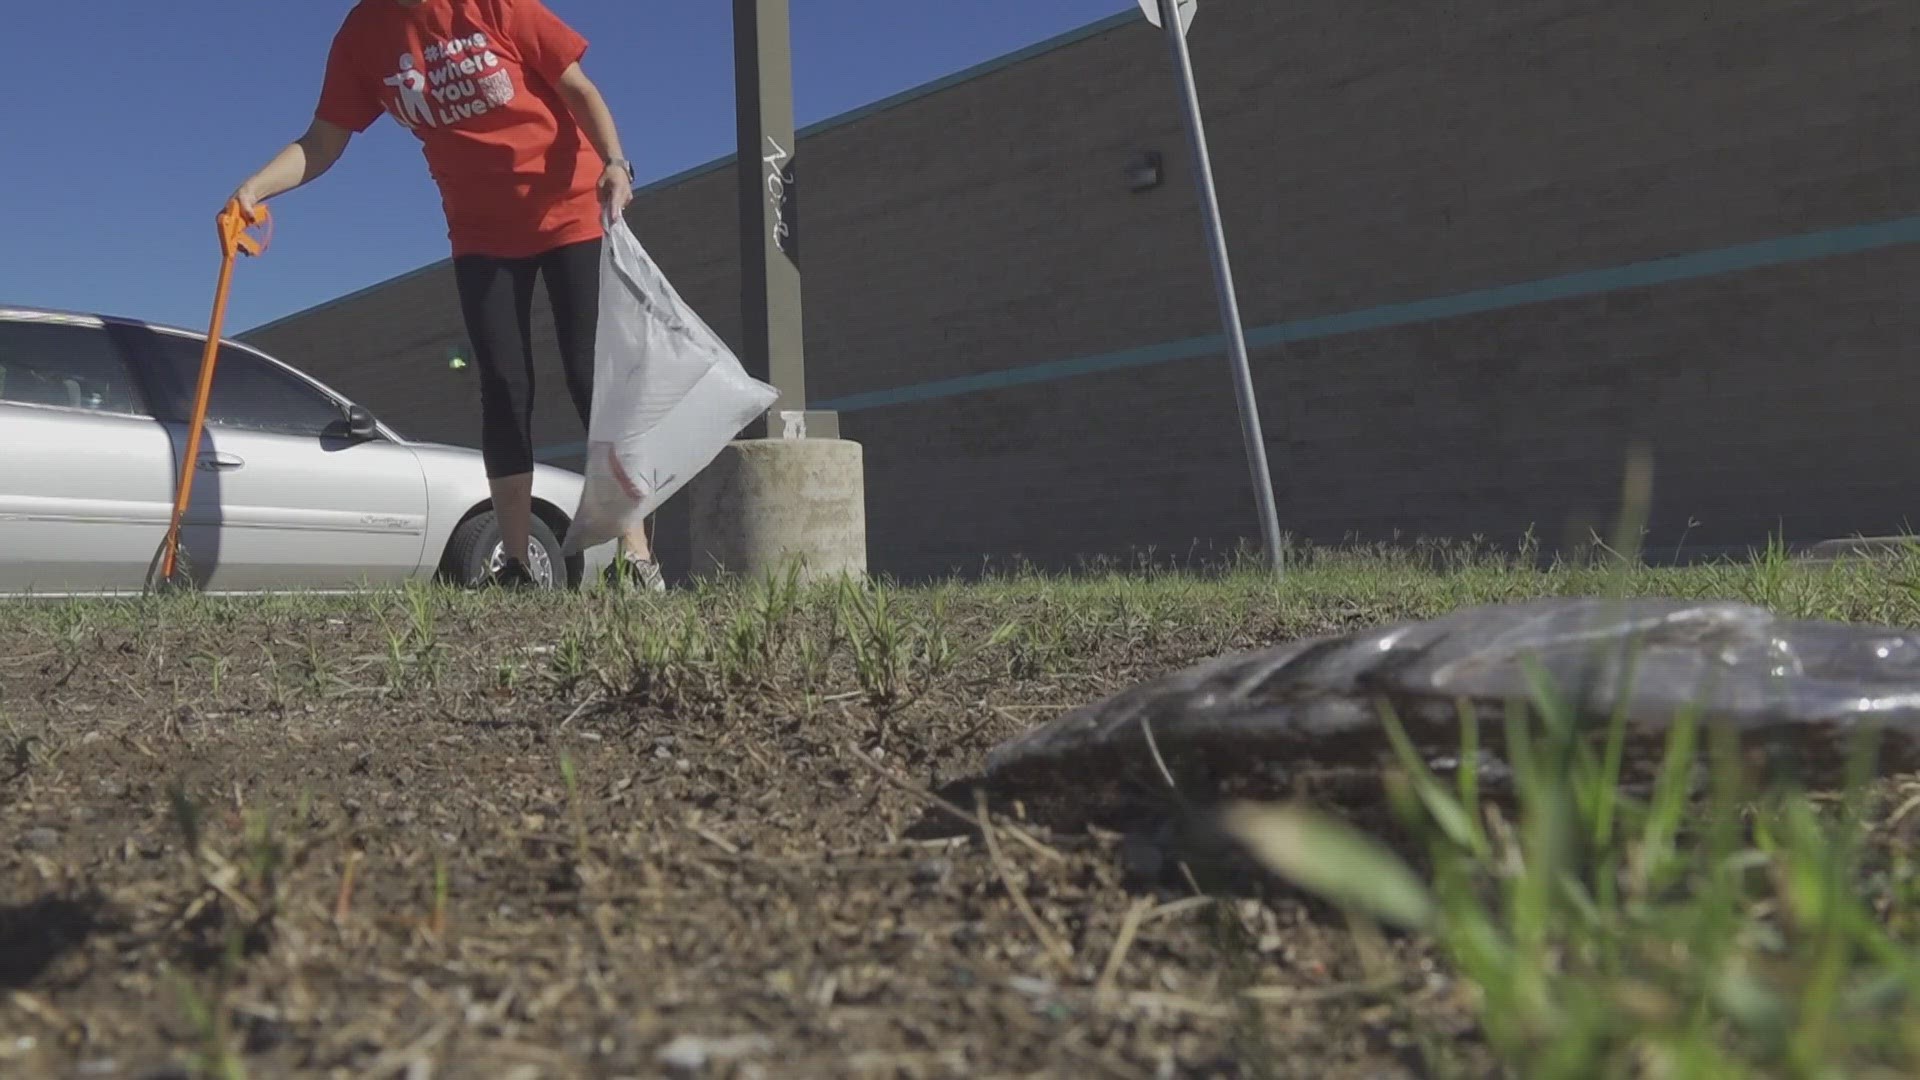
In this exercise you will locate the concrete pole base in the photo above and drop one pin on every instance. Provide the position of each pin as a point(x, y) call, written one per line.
point(766, 504)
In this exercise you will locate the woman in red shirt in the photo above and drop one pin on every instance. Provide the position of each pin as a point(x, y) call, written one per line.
point(529, 166)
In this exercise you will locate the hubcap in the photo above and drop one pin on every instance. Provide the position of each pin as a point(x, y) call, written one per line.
point(538, 562)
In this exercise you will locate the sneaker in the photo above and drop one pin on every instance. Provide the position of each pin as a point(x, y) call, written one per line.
point(513, 574)
point(631, 570)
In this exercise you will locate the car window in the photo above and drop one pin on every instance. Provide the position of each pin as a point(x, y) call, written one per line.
point(248, 392)
point(67, 366)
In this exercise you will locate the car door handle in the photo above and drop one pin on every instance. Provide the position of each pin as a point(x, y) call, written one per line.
point(220, 462)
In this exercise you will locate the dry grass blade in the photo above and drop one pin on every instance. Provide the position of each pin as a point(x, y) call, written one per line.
point(1154, 999)
point(931, 799)
point(979, 725)
point(1310, 995)
point(1054, 946)
point(40, 1010)
point(1175, 908)
point(1900, 815)
point(1129, 927)
point(1158, 761)
point(342, 904)
point(581, 709)
point(407, 1059)
point(713, 838)
point(1102, 1060)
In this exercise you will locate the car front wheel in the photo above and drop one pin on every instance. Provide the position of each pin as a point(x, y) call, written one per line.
point(475, 553)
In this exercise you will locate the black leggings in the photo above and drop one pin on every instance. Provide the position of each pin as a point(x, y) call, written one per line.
point(496, 298)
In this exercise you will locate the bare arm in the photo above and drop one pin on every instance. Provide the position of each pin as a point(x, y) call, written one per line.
point(590, 110)
point(300, 162)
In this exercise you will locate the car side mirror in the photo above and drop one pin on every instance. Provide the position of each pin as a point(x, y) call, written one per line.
point(360, 423)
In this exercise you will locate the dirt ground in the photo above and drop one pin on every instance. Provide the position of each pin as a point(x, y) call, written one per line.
point(447, 836)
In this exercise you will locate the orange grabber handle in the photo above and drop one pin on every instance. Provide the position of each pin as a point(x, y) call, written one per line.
point(233, 222)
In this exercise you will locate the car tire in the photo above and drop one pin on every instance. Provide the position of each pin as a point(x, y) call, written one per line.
point(475, 547)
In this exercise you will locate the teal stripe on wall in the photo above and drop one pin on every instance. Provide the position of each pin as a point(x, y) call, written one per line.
point(1703, 264)
point(1753, 256)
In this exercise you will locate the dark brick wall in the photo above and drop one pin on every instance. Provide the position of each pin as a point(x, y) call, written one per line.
point(1365, 155)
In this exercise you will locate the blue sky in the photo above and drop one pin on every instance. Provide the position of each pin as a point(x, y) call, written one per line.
point(127, 123)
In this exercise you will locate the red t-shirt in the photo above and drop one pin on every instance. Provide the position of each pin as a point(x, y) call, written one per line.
point(476, 81)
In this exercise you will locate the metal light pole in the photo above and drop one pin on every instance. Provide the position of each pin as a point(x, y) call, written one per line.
point(1175, 16)
point(791, 495)
point(769, 219)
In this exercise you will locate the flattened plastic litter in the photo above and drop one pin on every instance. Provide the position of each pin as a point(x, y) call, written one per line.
point(1794, 690)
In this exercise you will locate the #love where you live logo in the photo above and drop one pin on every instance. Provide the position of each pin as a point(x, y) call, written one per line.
point(458, 79)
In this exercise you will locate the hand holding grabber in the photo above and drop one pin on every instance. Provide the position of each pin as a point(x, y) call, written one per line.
point(233, 222)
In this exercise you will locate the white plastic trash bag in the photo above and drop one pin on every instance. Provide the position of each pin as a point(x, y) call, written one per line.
point(668, 395)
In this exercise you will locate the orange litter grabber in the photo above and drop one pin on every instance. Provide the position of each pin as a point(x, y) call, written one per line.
point(233, 222)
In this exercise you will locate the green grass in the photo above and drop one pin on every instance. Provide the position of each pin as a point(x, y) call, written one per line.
point(1712, 928)
point(1417, 581)
point(717, 642)
point(1697, 930)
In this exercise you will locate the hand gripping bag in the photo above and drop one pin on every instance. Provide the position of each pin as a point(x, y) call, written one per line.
point(668, 395)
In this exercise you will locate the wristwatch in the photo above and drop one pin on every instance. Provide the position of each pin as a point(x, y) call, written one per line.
point(625, 164)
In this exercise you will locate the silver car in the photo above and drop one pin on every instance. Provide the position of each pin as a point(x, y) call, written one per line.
point(297, 488)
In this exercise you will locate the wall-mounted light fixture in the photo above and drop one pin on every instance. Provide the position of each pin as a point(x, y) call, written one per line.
point(1144, 173)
